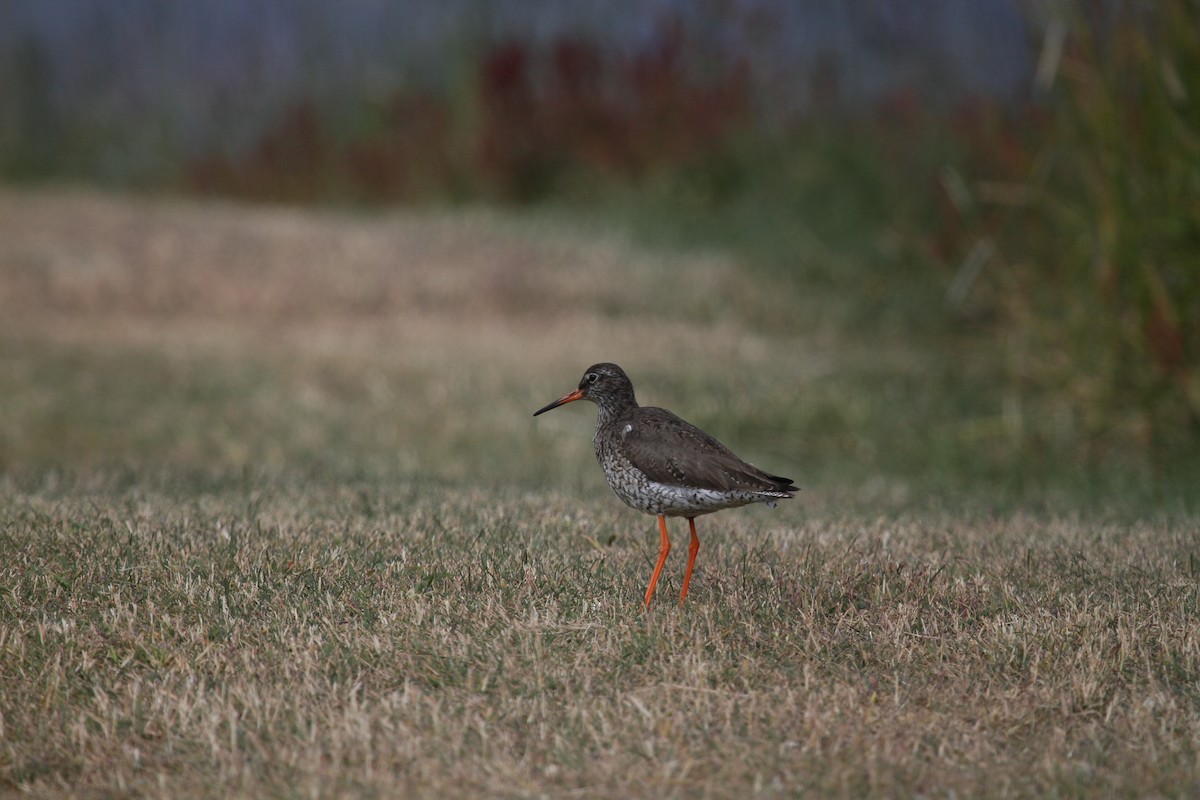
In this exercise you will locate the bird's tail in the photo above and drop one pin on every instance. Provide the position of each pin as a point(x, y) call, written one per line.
point(784, 484)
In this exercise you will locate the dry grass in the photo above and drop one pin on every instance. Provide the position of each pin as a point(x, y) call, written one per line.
point(412, 639)
point(272, 528)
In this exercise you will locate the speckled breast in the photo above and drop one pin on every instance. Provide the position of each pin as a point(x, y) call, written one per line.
point(637, 491)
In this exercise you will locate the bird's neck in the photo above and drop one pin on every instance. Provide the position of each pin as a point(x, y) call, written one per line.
point(614, 410)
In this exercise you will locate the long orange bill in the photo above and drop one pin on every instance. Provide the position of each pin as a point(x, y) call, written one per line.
point(693, 548)
point(566, 398)
point(662, 558)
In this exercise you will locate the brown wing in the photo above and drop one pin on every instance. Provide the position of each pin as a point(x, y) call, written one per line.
point(672, 451)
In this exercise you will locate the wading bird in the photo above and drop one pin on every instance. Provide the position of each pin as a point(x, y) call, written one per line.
point(662, 465)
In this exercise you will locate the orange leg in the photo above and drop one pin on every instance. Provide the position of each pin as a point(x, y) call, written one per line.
point(693, 548)
point(662, 558)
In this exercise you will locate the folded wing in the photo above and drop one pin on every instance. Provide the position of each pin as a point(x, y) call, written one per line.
point(671, 450)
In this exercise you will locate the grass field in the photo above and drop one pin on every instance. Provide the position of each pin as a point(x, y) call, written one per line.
point(276, 521)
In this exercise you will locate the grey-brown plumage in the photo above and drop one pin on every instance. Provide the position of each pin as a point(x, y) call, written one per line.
point(663, 465)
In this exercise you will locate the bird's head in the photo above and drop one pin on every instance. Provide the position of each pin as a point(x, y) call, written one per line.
point(604, 384)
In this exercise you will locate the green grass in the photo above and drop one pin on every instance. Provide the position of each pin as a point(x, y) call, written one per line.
point(276, 521)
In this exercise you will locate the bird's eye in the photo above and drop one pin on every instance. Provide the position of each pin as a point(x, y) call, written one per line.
point(591, 377)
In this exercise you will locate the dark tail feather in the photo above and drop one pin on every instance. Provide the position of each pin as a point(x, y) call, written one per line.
point(784, 484)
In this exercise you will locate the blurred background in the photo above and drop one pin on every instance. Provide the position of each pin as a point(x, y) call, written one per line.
point(977, 224)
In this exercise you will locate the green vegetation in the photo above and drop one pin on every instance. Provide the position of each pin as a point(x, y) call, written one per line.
point(1097, 267)
point(1052, 245)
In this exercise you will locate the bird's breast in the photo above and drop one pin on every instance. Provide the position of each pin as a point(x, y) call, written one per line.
point(653, 497)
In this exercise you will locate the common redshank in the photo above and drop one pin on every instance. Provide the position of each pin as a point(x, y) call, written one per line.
point(662, 465)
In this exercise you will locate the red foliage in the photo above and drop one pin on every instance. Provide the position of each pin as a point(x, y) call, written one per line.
point(596, 112)
point(540, 114)
point(1165, 340)
point(280, 167)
